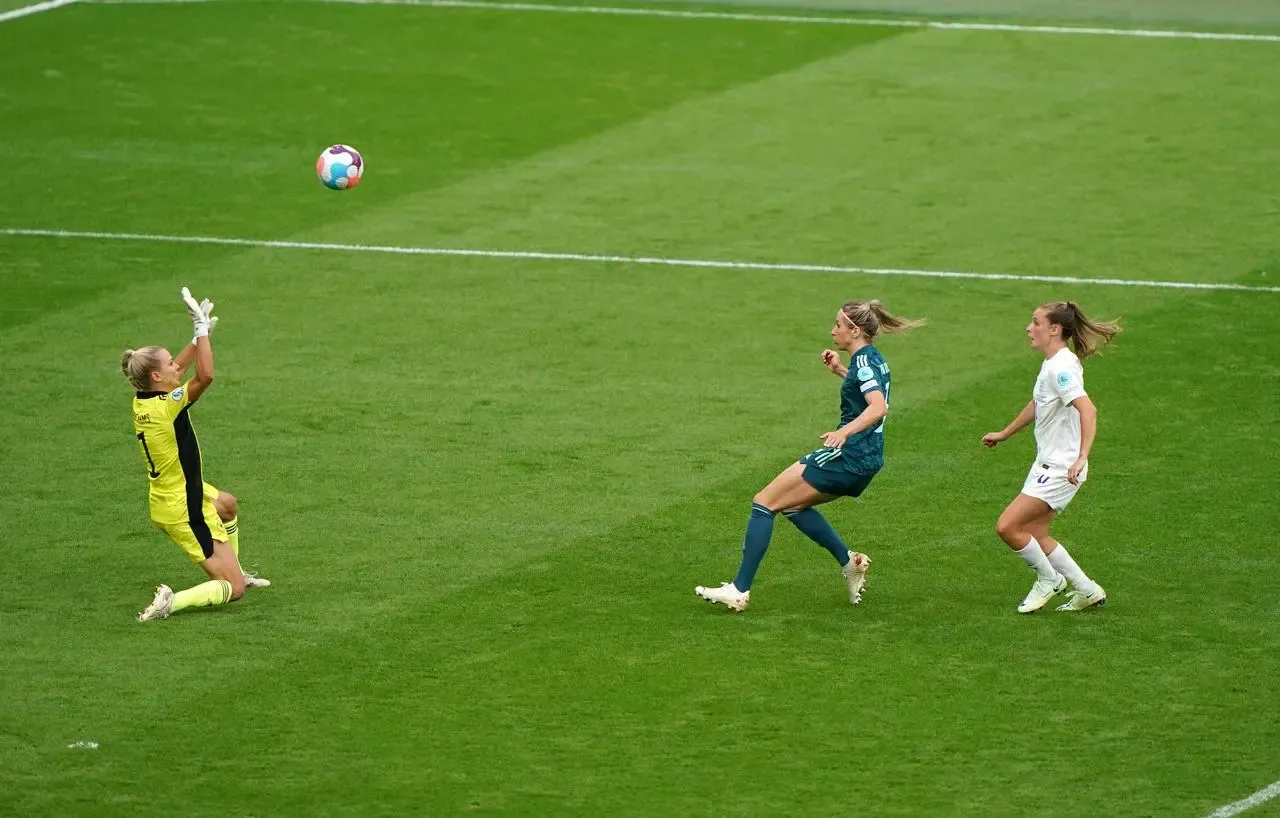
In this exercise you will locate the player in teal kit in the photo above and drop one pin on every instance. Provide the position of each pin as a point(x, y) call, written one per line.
point(845, 465)
point(847, 470)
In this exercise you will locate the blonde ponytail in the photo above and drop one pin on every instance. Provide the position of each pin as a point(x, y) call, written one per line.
point(872, 318)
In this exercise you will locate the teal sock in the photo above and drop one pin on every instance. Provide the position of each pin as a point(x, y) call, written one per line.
point(754, 545)
point(814, 526)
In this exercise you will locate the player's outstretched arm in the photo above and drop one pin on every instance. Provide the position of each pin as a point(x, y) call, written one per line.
point(1023, 420)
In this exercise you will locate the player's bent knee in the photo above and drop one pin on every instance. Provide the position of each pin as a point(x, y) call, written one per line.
point(237, 588)
point(1007, 530)
point(227, 506)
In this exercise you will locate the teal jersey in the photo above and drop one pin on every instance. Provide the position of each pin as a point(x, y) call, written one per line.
point(868, 372)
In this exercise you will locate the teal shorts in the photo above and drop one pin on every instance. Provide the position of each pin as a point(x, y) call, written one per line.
point(825, 471)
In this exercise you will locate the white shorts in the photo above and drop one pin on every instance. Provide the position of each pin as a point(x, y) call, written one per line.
point(1049, 483)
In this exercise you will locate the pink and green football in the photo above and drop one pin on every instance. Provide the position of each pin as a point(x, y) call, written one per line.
point(340, 167)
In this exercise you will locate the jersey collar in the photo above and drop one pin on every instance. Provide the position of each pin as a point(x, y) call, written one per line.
point(142, 395)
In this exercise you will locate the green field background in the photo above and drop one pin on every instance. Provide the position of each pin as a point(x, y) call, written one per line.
point(484, 488)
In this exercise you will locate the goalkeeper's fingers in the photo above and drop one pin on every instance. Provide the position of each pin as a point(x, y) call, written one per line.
point(206, 307)
point(192, 307)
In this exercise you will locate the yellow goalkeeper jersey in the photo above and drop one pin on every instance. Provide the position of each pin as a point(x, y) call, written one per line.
point(171, 454)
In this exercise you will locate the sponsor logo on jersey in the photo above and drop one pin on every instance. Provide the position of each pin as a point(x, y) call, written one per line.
point(866, 373)
point(177, 394)
point(1064, 378)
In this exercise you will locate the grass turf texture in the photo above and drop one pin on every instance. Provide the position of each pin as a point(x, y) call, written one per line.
point(1248, 14)
point(486, 488)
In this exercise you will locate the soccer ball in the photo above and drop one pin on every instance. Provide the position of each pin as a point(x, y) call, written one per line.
point(340, 167)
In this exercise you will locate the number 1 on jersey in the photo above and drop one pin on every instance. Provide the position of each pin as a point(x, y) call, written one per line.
point(151, 464)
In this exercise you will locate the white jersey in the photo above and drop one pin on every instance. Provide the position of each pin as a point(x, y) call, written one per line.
point(1061, 381)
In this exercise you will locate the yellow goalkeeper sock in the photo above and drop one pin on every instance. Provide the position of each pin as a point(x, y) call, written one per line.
point(233, 534)
point(204, 595)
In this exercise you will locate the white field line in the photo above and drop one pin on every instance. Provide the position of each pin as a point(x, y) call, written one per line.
point(35, 8)
point(1262, 796)
point(593, 258)
point(949, 25)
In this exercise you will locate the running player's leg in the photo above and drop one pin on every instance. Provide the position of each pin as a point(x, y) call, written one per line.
point(787, 490)
point(811, 523)
point(1015, 528)
point(831, 481)
point(828, 475)
point(1086, 593)
point(1019, 517)
point(790, 490)
point(853, 564)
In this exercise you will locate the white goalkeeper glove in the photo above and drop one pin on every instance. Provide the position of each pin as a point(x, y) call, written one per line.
point(199, 321)
point(206, 307)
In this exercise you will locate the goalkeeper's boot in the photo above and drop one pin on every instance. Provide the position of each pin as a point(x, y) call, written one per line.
point(1082, 602)
point(727, 595)
point(160, 607)
point(252, 580)
point(855, 575)
point(1041, 592)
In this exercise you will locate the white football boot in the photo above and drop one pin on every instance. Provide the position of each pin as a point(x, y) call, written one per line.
point(1041, 592)
point(855, 575)
point(252, 580)
point(160, 607)
point(1083, 602)
point(727, 594)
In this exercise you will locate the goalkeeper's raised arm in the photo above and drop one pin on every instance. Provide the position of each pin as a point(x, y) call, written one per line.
point(203, 322)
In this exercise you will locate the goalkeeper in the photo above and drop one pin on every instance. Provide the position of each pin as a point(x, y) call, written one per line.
point(195, 515)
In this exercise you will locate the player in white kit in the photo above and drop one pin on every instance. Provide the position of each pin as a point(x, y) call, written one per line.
point(1066, 421)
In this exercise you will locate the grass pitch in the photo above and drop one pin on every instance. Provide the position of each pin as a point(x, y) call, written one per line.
point(486, 487)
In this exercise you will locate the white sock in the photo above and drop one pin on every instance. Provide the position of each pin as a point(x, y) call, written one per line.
point(1066, 566)
point(1033, 556)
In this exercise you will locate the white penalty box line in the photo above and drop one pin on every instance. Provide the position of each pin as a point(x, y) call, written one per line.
point(34, 8)
point(829, 20)
point(1260, 797)
point(799, 19)
point(906, 22)
point(594, 258)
